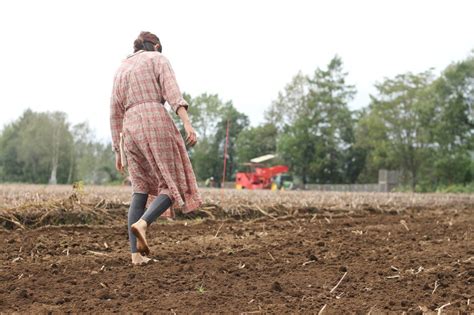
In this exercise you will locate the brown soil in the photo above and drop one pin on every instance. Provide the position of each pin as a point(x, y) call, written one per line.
point(288, 264)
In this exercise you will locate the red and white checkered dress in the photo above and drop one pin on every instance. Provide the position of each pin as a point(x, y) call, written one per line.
point(158, 162)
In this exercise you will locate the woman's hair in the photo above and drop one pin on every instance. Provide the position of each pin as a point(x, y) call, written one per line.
point(146, 41)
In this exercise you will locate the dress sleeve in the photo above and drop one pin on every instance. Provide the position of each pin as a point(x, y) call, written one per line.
point(116, 119)
point(169, 86)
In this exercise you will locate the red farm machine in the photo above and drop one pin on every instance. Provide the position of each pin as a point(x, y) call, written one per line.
point(258, 176)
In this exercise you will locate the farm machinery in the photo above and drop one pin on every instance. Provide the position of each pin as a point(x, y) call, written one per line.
point(260, 177)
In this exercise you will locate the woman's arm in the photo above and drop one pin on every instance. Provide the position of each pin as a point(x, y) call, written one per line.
point(169, 85)
point(116, 124)
point(191, 137)
point(172, 94)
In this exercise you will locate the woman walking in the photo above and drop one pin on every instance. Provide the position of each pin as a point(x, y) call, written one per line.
point(155, 152)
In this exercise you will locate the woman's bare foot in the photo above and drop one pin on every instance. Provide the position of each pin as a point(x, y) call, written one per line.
point(139, 230)
point(138, 259)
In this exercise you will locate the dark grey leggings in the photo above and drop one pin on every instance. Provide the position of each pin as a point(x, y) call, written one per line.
point(137, 212)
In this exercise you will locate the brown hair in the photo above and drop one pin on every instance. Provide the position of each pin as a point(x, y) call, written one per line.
point(146, 41)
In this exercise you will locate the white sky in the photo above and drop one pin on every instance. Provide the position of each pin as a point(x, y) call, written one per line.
point(62, 55)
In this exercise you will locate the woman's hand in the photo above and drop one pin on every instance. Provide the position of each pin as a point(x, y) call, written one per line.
point(191, 137)
point(118, 162)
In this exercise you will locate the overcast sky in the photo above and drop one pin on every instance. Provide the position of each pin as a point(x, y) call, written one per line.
point(62, 55)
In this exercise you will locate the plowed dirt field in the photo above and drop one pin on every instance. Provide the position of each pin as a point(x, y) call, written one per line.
point(416, 260)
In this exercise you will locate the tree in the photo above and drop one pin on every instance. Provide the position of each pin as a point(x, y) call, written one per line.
point(297, 147)
point(316, 135)
point(94, 162)
point(396, 127)
point(333, 123)
point(237, 123)
point(256, 141)
point(204, 112)
point(44, 148)
point(11, 168)
point(36, 148)
point(205, 159)
point(60, 137)
point(208, 115)
point(82, 136)
point(453, 127)
point(290, 104)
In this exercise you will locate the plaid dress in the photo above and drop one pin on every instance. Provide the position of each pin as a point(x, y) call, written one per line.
point(158, 162)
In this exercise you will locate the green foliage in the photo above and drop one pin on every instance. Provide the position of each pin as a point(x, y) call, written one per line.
point(395, 126)
point(453, 130)
point(256, 141)
point(317, 128)
point(237, 123)
point(417, 123)
point(209, 115)
point(94, 161)
point(43, 147)
point(427, 188)
point(36, 148)
point(456, 188)
point(290, 104)
point(422, 126)
point(200, 289)
point(205, 111)
point(206, 159)
point(297, 148)
point(11, 168)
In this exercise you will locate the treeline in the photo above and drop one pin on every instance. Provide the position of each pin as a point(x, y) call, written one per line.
point(45, 148)
point(418, 123)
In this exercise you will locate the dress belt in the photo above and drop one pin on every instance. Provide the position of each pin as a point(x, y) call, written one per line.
point(142, 102)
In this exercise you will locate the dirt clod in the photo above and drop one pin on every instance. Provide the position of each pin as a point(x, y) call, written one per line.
point(59, 301)
point(23, 294)
point(104, 295)
point(312, 257)
point(276, 286)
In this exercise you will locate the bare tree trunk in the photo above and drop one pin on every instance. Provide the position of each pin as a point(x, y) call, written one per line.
point(55, 160)
point(52, 179)
point(71, 164)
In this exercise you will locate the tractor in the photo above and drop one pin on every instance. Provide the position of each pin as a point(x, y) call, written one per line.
point(260, 177)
